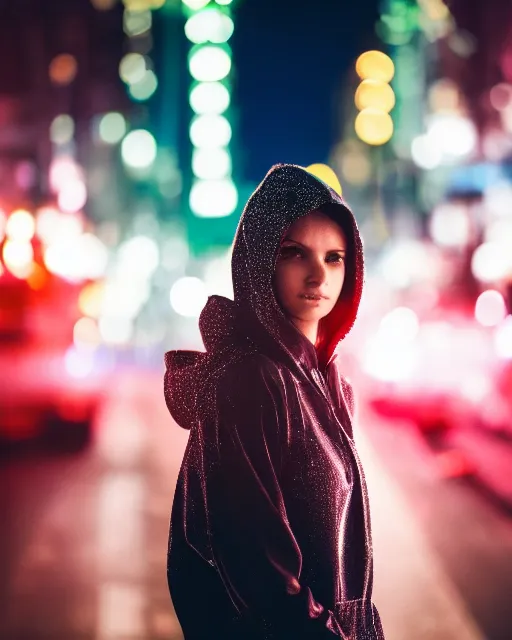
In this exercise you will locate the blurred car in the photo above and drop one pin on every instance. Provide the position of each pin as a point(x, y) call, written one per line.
point(441, 371)
point(51, 386)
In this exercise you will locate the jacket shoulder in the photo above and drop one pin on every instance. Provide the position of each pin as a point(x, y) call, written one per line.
point(241, 377)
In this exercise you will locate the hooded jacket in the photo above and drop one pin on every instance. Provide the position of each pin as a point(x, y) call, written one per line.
point(270, 526)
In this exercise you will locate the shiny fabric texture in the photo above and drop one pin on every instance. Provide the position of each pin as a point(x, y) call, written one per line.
point(270, 534)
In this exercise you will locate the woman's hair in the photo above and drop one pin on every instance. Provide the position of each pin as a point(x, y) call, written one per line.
point(332, 211)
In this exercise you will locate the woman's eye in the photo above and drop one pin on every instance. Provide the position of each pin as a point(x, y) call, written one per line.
point(287, 252)
point(291, 252)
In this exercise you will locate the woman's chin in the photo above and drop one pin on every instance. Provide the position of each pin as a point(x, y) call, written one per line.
point(311, 315)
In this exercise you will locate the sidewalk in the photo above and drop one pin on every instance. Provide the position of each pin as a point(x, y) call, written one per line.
point(414, 595)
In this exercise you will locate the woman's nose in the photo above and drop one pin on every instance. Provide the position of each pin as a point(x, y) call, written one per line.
point(317, 273)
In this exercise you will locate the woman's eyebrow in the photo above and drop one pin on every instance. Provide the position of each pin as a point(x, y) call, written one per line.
point(305, 247)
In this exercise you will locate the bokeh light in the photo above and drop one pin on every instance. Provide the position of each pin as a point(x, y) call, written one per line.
point(138, 257)
point(136, 23)
point(115, 330)
point(95, 256)
point(444, 96)
point(373, 93)
point(52, 225)
point(112, 127)
point(195, 4)
point(20, 226)
point(145, 87)
point(18, 257)
point(450, 225)
point(139, 149)
point(84, 257)
point(217, 274)
point(3, 223)
point(86, 333)
point(373, 126)
point(38, 277)
point(388, 361)
point(63, 170)
point(73, 196)
point(500, 96)
point(63, 69)
point(503, 339)
point(506, 119)
point(400, 324)
point(47, 222)
point(490, 308)
point(211, 164)
point(326, 174)
point(90, 300)
point(498, 199)
point(175, 253)
point(122, 301)
point(143, 5)
point(352, 162)
point(132, 68)
point(210, 131)
point(62, 129)
point(209, 97)
point(407, 261)
point(455, 135)
point(491, 262)
point(188, 296)
point(78, 363)
point(209, 63)
point(500, 231)
point(25, 174)
point(213, 198)
point(425, 152)
point(375, 65)
point(209, 25)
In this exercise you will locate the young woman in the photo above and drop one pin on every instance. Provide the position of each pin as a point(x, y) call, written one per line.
point(270, 528)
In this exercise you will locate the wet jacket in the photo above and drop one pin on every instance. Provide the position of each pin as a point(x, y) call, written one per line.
point(270, 527)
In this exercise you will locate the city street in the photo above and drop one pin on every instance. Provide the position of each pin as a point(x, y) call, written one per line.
point(83, 536)
point(241, 176)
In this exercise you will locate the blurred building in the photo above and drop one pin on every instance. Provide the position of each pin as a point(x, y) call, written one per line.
point(446, 174)
point(57, 59)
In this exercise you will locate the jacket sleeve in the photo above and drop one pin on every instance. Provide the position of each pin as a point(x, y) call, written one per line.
point(254, 548)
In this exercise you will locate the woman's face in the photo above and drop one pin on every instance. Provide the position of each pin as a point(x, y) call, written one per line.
point(311, 261)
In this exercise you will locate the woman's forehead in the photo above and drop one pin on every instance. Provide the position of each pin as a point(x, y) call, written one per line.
point(315, 223)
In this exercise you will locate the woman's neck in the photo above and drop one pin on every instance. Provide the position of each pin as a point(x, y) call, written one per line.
point(309, 329)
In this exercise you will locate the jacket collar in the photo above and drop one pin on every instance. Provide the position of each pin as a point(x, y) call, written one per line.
point(222, 323)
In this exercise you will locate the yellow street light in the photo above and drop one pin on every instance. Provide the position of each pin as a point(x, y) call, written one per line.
point(325, 174)
point(374, 126)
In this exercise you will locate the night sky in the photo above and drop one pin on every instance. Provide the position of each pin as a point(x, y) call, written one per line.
point(292, 58)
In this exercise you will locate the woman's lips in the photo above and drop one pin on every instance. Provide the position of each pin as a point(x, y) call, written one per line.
point(312, 300)
point(313, 296)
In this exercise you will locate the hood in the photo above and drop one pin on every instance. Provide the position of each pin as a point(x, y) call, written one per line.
point(287, 193)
